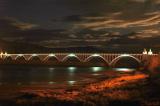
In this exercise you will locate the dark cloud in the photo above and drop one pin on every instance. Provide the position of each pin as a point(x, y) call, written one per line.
point(105, 23)
point(13, 29)
point(73, 18)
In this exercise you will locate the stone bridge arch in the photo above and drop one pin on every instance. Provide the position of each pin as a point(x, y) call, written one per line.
point(51, 58)
point(20, 59)
point(97, 59)
point(20, 56)
point(34, 59)
point(131, 61)
point(8, 59)
point(71, 57)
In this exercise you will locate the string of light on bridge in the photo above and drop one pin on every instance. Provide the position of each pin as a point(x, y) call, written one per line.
point(5, 54)
point(109, 58)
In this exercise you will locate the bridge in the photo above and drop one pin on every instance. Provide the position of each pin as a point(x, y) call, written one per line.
point(72, 58)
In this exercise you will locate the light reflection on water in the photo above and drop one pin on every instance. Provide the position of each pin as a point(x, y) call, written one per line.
point(72, 69)
point(96, 69)
point(51, 82)
point(51, 70)
point(71, 82)
point(42, 75)
point(124, 69)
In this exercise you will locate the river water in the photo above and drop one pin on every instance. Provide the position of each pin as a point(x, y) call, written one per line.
point(13, 75)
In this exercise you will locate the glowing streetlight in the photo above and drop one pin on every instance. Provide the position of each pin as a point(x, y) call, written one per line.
point(20, 55)
point(125, 55)
point(51, 55)
point(145, 51)
point(34, 55)
point(6, 54)
point(96, 55)
point(71, 55)
point(150, 52)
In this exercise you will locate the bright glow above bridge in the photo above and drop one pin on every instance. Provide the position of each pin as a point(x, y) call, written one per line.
point(51, 55)
point(71, 55)
point(96, 55)
point(6, 54)
point(34, 55)
point(20, 55)
point(125, 55)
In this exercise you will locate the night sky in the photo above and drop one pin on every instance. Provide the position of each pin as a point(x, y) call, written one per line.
point(78, 23)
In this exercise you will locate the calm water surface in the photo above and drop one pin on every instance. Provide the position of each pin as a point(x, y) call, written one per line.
point(13, 75)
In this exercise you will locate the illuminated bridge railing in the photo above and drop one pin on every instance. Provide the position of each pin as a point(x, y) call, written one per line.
point(109, 58)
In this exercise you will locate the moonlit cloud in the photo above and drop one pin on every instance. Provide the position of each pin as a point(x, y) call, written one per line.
point(119, 23)
point(150, 31)
point(25, 26)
